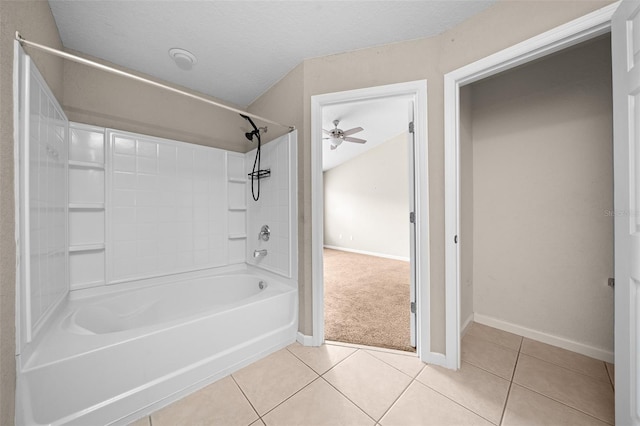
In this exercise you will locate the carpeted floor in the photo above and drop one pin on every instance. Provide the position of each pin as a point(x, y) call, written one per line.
point(366, 300)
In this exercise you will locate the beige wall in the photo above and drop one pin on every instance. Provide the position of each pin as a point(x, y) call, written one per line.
point(366, 201)
point(95, 97)
point(466, 206)
point(34, 21)
point(543, 182)
point(288, 101)
point(498, 27)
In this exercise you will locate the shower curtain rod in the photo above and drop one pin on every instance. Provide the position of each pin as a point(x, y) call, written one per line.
point(106, 68)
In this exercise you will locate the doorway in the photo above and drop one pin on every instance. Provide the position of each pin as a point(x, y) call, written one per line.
point(416, 92)
point(367, 182)
point(570, 34)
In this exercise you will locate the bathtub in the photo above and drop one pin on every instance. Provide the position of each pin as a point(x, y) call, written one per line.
point(114, 357)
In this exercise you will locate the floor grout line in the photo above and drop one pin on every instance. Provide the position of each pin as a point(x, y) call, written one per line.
point(330, 368)
point(513, 374)
point(290, 396)
point(245, 396)
point(562, 403)
point(570, 369)
point(396, 368)
point(340, 362)
point(453, 400)
point(613, 386)
point(349, 399)
point(395, 401)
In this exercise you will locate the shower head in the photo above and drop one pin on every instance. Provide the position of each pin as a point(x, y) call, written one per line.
point(249, 135)
point(256, 130)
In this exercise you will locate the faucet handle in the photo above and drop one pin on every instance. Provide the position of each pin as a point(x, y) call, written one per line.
point(265, 233)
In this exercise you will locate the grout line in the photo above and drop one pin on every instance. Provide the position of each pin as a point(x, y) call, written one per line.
point(371, 348)
point(289, 397)
point(150, 421)
point(562, 403)
point(548, 396)
point(349, 399)
point(312, 369)
point(395, 400)
point(454, 401)
point(340, 362)
point(245, 396)
point(397, 369)
point(470, 333)
point(572, 370)
point(613, 386)
point(513, 374)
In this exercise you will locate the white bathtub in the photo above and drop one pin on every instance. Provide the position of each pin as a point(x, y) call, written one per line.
point(111, 358)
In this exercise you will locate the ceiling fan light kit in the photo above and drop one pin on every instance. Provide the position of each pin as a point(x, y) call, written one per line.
point(336, 136)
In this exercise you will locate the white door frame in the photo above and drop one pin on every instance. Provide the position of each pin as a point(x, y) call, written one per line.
point(569, 34)
point(417, 89)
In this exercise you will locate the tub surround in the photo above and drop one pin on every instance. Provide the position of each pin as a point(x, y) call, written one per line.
point(150, 222)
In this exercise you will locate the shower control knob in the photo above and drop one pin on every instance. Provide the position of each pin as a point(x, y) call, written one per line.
point(265, 233)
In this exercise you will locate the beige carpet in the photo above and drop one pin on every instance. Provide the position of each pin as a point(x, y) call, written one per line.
point(366, 300)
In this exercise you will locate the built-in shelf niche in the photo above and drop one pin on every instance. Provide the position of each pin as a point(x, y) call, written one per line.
point(86, 206)
point(237, 208)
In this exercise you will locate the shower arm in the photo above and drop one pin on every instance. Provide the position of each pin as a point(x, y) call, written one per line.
point(80, 60)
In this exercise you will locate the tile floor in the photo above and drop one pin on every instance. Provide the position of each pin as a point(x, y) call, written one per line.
point(504, 380)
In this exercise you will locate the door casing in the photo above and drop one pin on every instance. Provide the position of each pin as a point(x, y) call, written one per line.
point(418, 90)
point(579, 30)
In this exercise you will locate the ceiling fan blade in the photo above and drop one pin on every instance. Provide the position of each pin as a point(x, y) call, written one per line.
point(326, 132)
point(356, 140)
point(352, 131)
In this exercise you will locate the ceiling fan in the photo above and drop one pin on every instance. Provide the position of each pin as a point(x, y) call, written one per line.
point(337, 136)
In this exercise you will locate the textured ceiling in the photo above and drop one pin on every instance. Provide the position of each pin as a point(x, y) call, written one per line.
point(244, 47)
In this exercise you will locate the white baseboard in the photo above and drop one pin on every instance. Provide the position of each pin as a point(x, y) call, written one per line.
point(304, 340)
point(466, 324)
point(547, 338)
point(436, 359)
point(369, 253)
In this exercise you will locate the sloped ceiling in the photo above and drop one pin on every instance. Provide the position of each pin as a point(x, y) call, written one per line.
point(243, 47)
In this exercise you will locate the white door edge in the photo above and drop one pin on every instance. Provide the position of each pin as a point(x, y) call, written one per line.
point(417, 89)
point(584, 28)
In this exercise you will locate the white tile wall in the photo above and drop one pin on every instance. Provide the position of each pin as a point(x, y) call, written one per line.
point(274, 207)
point(46, 198)
point(237, 208)
point(86, 206)
point(166, 207)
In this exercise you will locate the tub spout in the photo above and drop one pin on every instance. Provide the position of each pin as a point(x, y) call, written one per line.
point(260, 253)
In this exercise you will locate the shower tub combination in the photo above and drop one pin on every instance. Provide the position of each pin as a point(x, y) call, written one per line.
point(113, 356)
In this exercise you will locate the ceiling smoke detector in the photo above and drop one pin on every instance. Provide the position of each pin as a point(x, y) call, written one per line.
point(183, 58)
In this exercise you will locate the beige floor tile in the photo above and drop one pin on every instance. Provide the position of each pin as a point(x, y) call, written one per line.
point(408, 364)
point(317, 404)
point(320, 358)
point(489, 356)
point(220, 403)
point(499, 337)
point(273, 379)
point(594, 397)
point(141, 422)
point(257, 423)
point(526, 407)
point(479, 391)
point(611, 370)
point(369, 382)
point(564, 358)
point(420, 405)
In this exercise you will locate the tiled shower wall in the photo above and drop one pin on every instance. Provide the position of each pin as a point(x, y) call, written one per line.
point(43, 178)
point(149, 207)
point(274, 207)
point(167, 207)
